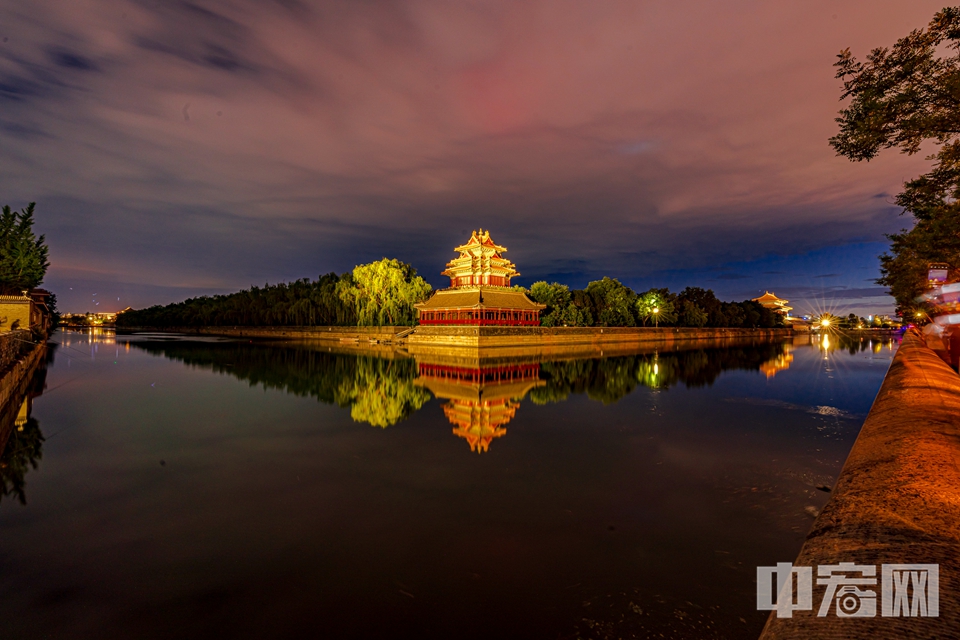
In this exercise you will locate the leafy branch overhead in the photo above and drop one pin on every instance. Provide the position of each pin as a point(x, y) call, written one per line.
point(902, 97)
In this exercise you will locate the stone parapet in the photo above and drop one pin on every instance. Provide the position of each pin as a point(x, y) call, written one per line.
point(14, 382)
point(334, 334)
point(585, 336)
point(897, 501)
point(13, 344)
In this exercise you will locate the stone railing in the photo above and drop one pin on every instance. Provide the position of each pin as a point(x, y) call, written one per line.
point(13, 345)
point(896, 502)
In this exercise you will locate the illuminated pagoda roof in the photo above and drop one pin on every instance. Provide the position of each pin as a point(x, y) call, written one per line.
point(479, 292)
point(481, 262)
point(772, 302)
point(479, 298)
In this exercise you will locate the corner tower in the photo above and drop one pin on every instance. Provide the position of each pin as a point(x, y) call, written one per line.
point(481, 262)
point(479, 292)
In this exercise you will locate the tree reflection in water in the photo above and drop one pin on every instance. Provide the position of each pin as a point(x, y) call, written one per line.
point(388, 387)
point(378, 390)
point(607, 380)
point(381, 392)
point(22, 452)
point(23, 448)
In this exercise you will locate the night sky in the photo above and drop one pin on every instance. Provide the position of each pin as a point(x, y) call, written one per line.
point(185, 148)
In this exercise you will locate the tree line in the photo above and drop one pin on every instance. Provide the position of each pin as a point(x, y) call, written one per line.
point(384, 293)
point(609, 303)
point(375, 294)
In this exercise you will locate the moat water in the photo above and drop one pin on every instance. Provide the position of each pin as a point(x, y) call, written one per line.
point(162, 487)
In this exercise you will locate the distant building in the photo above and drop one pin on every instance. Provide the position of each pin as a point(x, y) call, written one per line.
point(90, 319)
point(43, 315)
point(772, 302)
point(15, 311)
point(479, 292)
point(28, 310)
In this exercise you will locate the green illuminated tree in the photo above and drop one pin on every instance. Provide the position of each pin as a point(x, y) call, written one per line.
point(656, 305)
point(384, 292)
point(23, 256)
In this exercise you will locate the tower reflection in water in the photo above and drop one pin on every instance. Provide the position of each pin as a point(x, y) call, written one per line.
point(481, 392)
point(21, 452)
point(480, 400)
point(21, 441)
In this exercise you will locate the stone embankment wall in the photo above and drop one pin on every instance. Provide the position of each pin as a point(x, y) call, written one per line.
point(488, 336)
point(13, 344)
point(20, 358)
point(594, 336)
point(335, 334)
point(896, 501)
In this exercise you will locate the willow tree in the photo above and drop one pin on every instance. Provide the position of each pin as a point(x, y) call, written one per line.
point(23, 256)
point(384, 292)
point(902, 97)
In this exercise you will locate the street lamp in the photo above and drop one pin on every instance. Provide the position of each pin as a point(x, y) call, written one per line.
point(656, 316)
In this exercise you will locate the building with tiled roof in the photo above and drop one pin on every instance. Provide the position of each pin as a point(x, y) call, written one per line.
point(479, 292)
point(772, 302)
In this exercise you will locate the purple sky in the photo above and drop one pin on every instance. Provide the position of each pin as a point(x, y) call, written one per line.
point(179, 148)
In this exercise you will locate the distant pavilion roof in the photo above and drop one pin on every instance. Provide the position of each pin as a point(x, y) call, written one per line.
point(769, 297)
point(771, 301)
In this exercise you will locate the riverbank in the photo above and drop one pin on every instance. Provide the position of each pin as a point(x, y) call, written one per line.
point(467, 336)
point(897, 501)
point(19, 359)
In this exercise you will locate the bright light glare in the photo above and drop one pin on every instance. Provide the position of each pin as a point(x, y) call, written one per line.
point(824, 323)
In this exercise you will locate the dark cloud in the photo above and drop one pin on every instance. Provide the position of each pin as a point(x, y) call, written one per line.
point(70, 60)
point(672, 143)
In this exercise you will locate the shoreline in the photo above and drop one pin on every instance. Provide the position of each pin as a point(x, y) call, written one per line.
point(896, 501)
point(478, 337)
point(14, 383)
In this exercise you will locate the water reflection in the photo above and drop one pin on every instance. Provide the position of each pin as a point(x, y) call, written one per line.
point(379, 390)
point(22, 452)
point(21, 440)
point(608, 380)
point(480, 400)
point(778, 363)
point(179, 495)
point(482, 394)
point(853, 343)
